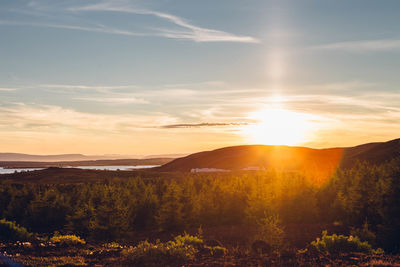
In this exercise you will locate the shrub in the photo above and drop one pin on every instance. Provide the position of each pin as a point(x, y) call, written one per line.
point(159, 254)
point(364, 233)
point(67, 240)
point(271, 231)
point(112, 245)
point(339, 244)
point(187, 239)
point(10, 231)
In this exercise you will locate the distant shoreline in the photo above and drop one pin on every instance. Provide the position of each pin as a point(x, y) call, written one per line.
point(62, 164)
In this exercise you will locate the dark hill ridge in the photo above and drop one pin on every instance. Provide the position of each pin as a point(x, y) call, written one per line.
point(262, 156)
point(285, 157)
point(374, 153)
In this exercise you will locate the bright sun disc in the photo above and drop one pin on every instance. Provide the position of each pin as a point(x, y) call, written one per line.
point(279, 127)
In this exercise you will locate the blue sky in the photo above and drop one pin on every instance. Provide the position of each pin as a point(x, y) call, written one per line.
point(142, 77)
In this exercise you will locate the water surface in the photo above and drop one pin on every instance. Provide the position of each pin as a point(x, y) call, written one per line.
point(8, 171)
point(114, 168)
point(109, 168)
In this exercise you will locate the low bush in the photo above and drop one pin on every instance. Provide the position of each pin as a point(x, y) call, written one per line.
point(187, 239)
point(159, 254)
point(271, 231)
point(340, 244)
point(67, 240)
point(10, 231)
point(364, 233)
point(112, 245)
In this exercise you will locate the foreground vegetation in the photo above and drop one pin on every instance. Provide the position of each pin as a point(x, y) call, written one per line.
point(238, 209)
point(184, 250)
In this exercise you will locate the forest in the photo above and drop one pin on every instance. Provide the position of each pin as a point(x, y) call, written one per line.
point(362, 201)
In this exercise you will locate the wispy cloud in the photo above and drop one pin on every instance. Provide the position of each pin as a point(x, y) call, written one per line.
point(114, 100)
point(99, 28)
point(94, 87)
point(362, 46)
point(7, 89)
point(340, 86)
point(49, 118)
point(215, 84)
point(204, 124)
point(105, 94)
point(82, 87)
point(189, 31)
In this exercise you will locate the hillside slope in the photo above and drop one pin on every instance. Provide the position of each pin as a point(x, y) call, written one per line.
point(286, 157)
point(374, 153)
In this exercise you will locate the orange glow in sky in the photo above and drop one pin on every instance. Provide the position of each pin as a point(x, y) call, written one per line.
point(277, 126)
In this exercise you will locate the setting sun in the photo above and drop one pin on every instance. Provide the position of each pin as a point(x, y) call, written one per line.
point(277, 126)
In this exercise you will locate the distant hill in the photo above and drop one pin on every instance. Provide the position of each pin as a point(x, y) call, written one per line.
point(78, 157)
point(374, 153)
point(259, 156)
point(174, 156)
point(322, 161)
point(28, 157)
point(60, 157)
point(113, 162)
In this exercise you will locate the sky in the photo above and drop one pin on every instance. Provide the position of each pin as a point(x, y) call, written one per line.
point(152, 77)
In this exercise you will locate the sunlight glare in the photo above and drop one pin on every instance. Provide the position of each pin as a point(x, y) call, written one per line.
point(278, 126)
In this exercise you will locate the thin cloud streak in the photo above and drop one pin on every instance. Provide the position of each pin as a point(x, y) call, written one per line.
point(362, 46)
point(80, 87)
point(23, 117)
point(340, 86)
point(114, 100)
point(91, 87)
point(203, 124)
point(101, 28)
point(193, 32)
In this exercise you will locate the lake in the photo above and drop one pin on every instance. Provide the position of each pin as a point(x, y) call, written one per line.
point(7, 171)
point(109, 168)
point(114, 168)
